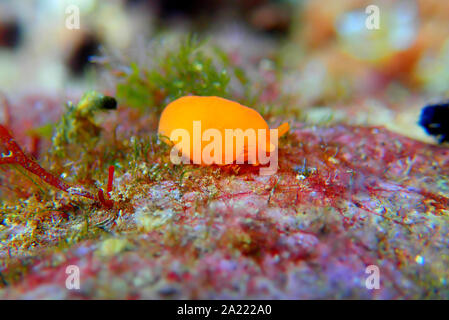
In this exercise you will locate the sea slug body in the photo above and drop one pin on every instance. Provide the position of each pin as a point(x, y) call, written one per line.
point(211, 119)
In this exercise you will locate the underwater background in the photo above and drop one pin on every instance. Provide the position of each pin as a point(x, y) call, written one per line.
point(362, 186)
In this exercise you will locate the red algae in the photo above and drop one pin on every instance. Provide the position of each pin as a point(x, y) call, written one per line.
point(17, 156)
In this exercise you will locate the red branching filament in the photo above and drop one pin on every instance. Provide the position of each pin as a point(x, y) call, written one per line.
point(107, 203)
point(17, 156)
point(110, 179)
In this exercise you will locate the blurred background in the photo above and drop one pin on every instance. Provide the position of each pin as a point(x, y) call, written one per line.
point(319, 57)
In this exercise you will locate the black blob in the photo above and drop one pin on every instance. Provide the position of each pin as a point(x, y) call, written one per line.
point(435, 120)
point(192, 8)
point(10, 34)
point(79, 58)
point(108, 103)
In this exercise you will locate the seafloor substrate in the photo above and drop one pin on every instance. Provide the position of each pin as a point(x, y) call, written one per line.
point(344, 198)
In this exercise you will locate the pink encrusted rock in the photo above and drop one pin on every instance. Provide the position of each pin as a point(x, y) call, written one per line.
point(364, 196)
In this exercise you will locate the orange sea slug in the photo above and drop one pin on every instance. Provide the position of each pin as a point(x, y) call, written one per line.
point(207, 121)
